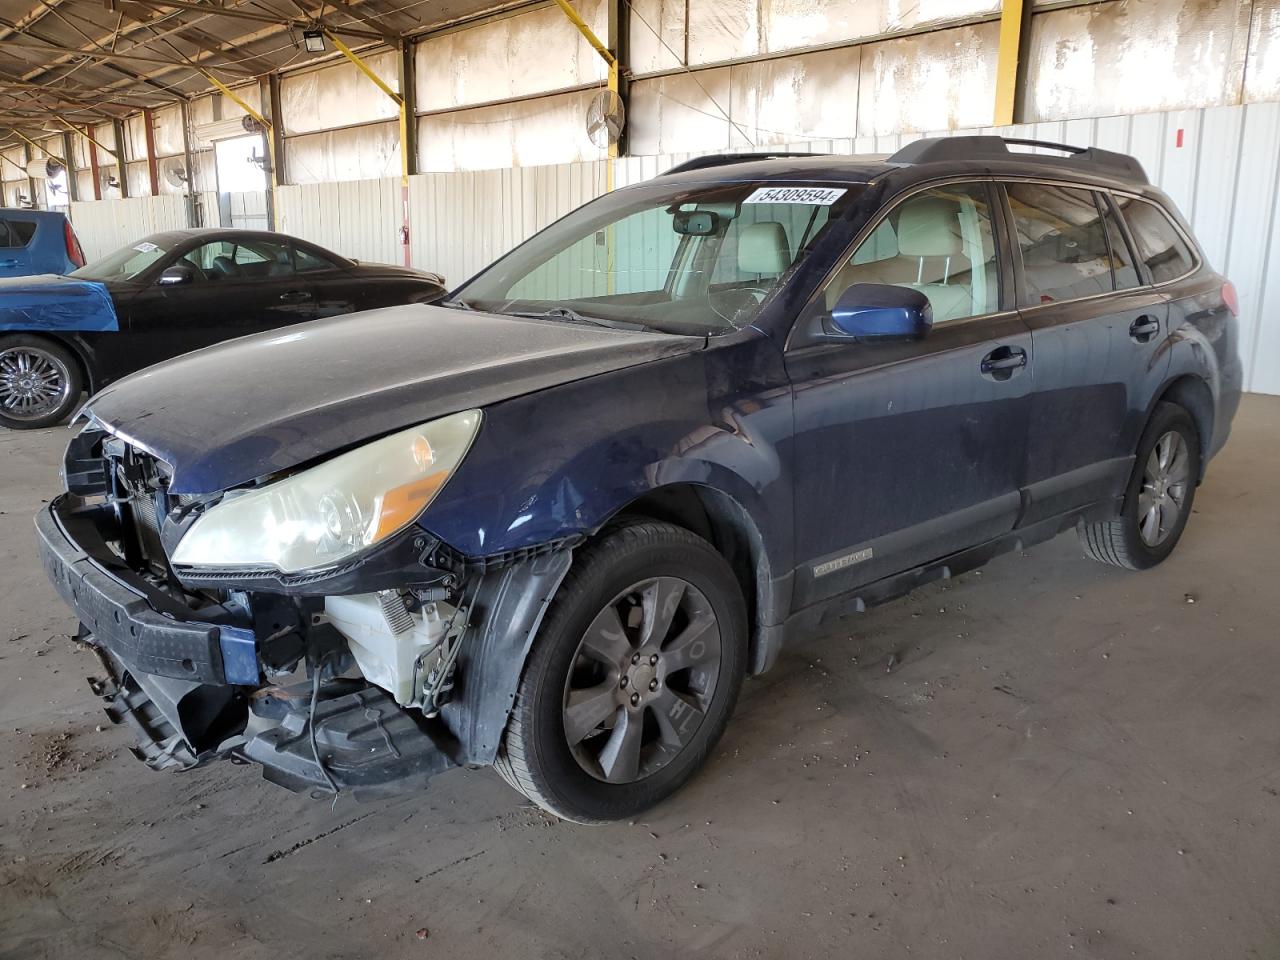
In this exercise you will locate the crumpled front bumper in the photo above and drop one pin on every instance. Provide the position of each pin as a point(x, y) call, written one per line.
point(182, 686)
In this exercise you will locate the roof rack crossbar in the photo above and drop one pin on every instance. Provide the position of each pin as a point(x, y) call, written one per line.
point(952, 149)
point(723, 159)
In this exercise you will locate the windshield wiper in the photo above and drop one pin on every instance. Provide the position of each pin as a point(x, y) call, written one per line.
point(573, 316)
point(457, 304)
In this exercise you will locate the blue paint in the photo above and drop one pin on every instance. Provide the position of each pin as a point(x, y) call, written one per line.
point(53, 303)
point(239, 655)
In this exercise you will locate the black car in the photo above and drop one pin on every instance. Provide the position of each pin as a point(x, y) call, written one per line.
point(167, 294)
point(552, 521)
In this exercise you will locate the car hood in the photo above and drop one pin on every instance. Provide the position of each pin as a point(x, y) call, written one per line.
point(228, 414)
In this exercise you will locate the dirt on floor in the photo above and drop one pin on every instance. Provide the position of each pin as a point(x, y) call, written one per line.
point(1046, 758)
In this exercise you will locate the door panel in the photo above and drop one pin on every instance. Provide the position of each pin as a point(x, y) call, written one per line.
point(15, 250)
point(905, 453)
point(1095, 346)
point(241, 287)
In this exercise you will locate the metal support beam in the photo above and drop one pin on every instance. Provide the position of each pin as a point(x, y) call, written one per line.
point(405, 162)
point(122, 172)
point(1011, 70)
point(195, 64)
point(610, 60)
point(93, 163)
point(408, 86)
point(31, 181)
point(69, 158)
point(278, 159)
point(242, 14)
point(193, 208)
point(153, 168)
point(618, 12)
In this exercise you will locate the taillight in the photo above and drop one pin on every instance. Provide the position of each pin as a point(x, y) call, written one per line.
point(1230, 298)
point(74, 253)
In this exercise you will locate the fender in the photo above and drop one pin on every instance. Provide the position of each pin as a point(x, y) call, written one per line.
point(619, 436)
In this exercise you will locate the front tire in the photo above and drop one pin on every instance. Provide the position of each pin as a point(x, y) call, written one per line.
point(633, 676)
point(1158, 500)
point(40, 382)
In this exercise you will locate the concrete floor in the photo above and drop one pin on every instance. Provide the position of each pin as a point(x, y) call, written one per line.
point(1066, 760)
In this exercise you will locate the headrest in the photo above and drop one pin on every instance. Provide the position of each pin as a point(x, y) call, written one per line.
point(763, 248)
point(929, 227)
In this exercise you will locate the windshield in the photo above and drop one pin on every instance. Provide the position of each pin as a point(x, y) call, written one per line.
point(683, 259)
point(127, 262)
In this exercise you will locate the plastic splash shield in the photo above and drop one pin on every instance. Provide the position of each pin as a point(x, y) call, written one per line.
point(56, 303)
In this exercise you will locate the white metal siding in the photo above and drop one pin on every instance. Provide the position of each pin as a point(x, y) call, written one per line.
point(1224, 178)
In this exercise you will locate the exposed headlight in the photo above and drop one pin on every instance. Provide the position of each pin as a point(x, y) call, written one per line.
point(333, 511)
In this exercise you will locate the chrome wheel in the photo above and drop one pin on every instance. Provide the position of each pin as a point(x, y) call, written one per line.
point(642, 680)
point(1165, 480)
point(33, 383)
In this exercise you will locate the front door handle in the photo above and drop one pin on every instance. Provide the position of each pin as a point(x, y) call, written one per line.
point(1144, 328)
point(1003, 362)
point(8, 263)
point(293, 296)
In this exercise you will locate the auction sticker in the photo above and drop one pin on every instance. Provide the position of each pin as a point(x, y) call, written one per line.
point(817, 196)
point(145, 246)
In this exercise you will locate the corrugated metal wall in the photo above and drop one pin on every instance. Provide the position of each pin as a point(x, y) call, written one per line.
point(1218, 163)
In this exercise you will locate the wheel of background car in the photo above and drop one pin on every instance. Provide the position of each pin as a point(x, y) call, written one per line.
point(40, 382)
point(632, 678)
point(1158, 500)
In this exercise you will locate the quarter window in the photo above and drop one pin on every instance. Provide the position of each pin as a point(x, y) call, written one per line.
point(1063, 242)
point(939, 242)
point(16, 233)
point(1160, 245)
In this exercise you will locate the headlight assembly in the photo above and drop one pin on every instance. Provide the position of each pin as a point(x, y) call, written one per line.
point(333, 511)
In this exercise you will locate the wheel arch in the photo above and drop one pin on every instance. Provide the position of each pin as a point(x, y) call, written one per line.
point(1192, 393)
point(728, 526)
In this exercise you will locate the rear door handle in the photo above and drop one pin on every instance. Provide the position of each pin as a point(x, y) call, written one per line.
point(293, 296)
point(8, 263)
point(1144, 328)
point(1002, 362)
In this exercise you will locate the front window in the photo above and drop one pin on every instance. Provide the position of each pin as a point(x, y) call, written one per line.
point(128, 262)
point(697, 260)
point(937, 241)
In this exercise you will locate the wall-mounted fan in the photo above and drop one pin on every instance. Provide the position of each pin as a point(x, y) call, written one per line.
point(606, 117)
point(175, 171)
point(107, 181)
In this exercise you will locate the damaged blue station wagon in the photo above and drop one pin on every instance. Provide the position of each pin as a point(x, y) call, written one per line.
point(551, 522)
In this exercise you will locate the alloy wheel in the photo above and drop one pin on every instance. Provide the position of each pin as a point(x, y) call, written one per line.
point(1164, 488)
point(642, 680)
point(33, 383)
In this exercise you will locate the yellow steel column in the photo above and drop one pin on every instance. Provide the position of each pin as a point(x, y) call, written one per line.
point(402, 105)
point(607, 55)
point(1007, 61)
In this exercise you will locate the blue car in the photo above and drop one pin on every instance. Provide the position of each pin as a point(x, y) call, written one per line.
point(553, 521)
point(33, 242)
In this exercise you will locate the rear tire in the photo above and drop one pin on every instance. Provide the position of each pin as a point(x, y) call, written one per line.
point(632, 678)
point(1158, 499)
point(40, 382)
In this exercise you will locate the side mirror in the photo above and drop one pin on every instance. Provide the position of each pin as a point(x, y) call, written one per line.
point(177, 274)
point(881, 311)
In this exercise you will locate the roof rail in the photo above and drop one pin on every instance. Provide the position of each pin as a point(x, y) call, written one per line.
point(723, 159)
point(942, 149)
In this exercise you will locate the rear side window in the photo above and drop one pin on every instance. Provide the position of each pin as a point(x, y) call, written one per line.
point(1126, 273)
point(16, 233)
point(1063, 242)
point(307, 261)
point(1160, 245)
